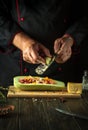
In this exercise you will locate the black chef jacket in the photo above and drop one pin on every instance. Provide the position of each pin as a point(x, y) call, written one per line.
point(43, 20)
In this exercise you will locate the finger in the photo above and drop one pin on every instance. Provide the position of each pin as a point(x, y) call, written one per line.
point(57, 45)
point(36, 58)
point(27, 56)
point(66, 56)
point(32, 55)
point(41, 60)
point(68, 51)
point(63, 57)
point(45, 51)
point(28, 59)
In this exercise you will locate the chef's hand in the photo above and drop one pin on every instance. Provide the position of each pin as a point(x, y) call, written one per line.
point(32, 50)
point(35, 53)
point(62, 46)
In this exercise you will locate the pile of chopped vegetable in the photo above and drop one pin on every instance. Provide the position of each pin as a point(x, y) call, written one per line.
point(36, 80)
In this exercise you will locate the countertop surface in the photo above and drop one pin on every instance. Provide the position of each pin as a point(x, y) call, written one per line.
point(46, 113)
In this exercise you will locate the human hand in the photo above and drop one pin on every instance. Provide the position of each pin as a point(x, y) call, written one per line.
point(62, 47)
point(32, 50)
point(36, 53)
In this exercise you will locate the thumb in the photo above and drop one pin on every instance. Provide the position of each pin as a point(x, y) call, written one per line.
point(46, 51)
point(57, 45)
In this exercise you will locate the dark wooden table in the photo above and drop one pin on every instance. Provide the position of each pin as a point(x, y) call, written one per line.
point(41, 114)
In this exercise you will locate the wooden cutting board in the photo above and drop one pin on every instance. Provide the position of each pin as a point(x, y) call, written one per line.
point(14, 92)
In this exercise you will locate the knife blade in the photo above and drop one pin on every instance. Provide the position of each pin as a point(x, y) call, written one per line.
point(71, 114)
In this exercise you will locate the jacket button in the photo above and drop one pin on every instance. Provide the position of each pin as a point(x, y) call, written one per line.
point(59, 69)
point(22, 19)
point(25, 70)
